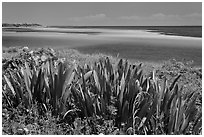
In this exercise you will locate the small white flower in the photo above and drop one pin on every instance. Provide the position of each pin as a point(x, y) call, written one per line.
point(52, 50)
point(43, 57)
point(62, 60)
point(20, 129)
point(25, 129)
point(25, 48)
point(31, 52)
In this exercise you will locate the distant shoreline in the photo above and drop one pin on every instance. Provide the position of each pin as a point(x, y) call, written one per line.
point(187, 31)
point(21, 25)
point(191, 31)
point(34, 29)
point(130, 44)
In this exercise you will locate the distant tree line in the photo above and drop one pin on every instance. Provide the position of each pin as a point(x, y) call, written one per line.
point(21, 25)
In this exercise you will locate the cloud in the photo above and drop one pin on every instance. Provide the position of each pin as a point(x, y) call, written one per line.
point(157, 16)
point(161, 16)
point(162, 19)
point(129, 18)
point(97, 16)
point(153, 19)
point(197, 15)
point(90, 17)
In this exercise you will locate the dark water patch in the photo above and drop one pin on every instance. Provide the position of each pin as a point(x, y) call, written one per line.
point(19, 41)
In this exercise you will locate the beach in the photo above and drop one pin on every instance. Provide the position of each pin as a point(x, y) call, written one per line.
point(142, 45)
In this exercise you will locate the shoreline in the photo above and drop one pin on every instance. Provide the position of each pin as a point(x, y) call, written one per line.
point(162, 30)
point(131, 44)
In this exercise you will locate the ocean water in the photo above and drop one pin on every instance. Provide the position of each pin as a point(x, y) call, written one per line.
point(191, 31)
point(150, 44)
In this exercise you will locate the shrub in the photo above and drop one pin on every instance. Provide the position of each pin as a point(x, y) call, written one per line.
point(135, 104)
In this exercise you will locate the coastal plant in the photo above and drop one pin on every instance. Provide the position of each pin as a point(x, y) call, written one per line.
point(118, 92)
point(44, 85)
point(141, 103)
point(165, 111)
point(19, 83)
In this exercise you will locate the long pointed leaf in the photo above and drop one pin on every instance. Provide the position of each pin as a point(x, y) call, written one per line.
point(10, 85)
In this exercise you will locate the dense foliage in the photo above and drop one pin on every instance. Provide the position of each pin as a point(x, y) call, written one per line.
point(43, 94)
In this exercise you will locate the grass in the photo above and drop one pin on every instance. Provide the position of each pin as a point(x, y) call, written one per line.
point(65, 92)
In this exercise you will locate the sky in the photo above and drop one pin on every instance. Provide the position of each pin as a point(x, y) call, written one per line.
point(103, 13)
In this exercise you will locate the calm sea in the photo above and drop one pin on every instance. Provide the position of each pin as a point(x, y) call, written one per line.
point(191, 31)
point(141, 49)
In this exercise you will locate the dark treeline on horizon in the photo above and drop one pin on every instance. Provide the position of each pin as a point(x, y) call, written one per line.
point(95, 26)
point(20, 25)
point(116, 26)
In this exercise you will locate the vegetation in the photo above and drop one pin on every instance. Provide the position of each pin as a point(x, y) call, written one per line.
point(21, 25)
point(45, 94)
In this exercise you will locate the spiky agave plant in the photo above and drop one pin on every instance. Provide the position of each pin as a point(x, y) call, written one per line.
point(143, 104)
point(45, 85)
point(164, 111)
point(18, 81)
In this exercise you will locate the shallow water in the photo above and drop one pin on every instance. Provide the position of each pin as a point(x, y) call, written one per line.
point(131, 44)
